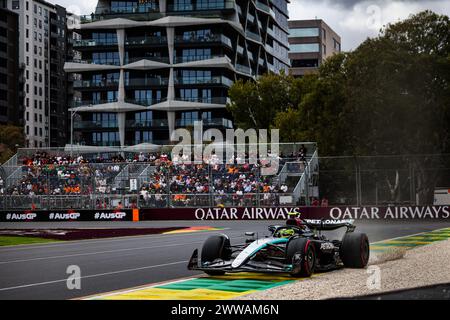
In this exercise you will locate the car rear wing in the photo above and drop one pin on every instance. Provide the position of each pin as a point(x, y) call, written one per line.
point(330, 224)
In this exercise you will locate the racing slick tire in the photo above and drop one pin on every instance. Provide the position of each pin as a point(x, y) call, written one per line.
point(305, 248)
point(216, 247)
point(355, 250)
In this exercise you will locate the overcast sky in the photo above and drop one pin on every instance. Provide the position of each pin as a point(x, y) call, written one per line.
point(354, 20)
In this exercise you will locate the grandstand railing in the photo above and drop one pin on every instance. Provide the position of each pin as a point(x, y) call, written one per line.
point(111, 201)
point(304, 189)
point(9, 169)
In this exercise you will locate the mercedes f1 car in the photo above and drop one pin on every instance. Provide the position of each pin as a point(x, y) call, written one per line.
point(298, 248)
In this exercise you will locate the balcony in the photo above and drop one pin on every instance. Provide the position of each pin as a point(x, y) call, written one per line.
point(215, 122)
point(95, 124)
point(138, 41)
point(212, 80)
point(262, 7)
point(137, 12)
point(269, 49)
point(86, 103)
point(93, 43)
point(154, 123)
point(156, 59)
point(97, 62)
point(253, 36)
point(196, 58)
point(146, 82)
point(211, 38)
point(94, 84)
point(244, 69)
point(209, 100)
point(144, 102)
point(202, 6)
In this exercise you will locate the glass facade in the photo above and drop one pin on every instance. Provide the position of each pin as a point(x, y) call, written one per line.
point(148, 87)
point(305, 47)
point(304, 32)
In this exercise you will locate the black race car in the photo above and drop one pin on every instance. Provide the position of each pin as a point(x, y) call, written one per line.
point(298, 248)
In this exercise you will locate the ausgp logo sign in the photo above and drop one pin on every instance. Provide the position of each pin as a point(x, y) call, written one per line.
point(21, 216)
point(109, 215)
point(64, 216)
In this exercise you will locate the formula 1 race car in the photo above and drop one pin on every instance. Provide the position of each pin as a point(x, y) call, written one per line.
point(297, 248)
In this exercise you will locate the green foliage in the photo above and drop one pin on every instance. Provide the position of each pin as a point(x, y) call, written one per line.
point(391, 96)
point(256, 104)
point(10, 137)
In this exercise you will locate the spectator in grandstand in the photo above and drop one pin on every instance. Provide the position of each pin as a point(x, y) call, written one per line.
point(303, 151)
point(315, 202)
point(324, 202)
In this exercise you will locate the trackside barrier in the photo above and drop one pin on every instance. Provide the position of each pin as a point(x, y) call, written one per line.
point(281, 213)
point(66, 215)
point(232, 213)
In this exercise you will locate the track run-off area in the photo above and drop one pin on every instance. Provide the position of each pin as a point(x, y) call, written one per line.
point(155, 266)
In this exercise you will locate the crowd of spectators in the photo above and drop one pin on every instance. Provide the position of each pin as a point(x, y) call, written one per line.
point(176, 180)
point(201, 184)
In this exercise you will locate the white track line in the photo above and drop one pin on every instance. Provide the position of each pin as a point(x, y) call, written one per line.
point(100, 252)
point(93, 275)
point(103, 240)
point(94, 253)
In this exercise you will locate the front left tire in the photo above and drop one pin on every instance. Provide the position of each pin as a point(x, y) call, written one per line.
point(215, 247)
point(307, 252)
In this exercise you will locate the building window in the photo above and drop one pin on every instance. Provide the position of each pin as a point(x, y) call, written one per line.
point(143, 118)
point(305, 47)
point(188, 118)
point(143, 137)
point(143, 97)
point(16, 5)
point(189, 94)
point(196, 54)
point(303, 32)
point(106, 58)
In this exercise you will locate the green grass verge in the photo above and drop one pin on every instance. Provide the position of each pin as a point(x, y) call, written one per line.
point(15, 240)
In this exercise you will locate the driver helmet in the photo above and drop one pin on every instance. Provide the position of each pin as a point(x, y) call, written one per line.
point(293, 214)
point(286, 233)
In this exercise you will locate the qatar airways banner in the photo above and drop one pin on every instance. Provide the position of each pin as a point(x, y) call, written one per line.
point(281, 213)
point(65, 215)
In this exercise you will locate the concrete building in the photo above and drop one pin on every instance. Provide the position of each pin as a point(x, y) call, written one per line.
point(311, 42)
point(41, 50)
point(144, 68)
point(11, 71)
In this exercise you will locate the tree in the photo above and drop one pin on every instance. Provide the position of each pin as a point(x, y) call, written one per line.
point(255, 104)
point(320, 112)
point(399, 94)
point(391, 96)
point(10, 138)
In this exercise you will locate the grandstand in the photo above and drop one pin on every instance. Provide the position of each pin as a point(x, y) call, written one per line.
point(68, 179)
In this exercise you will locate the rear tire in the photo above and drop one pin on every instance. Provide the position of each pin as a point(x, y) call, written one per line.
point(355, 250)
point(305, 248)
point(216, 247)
